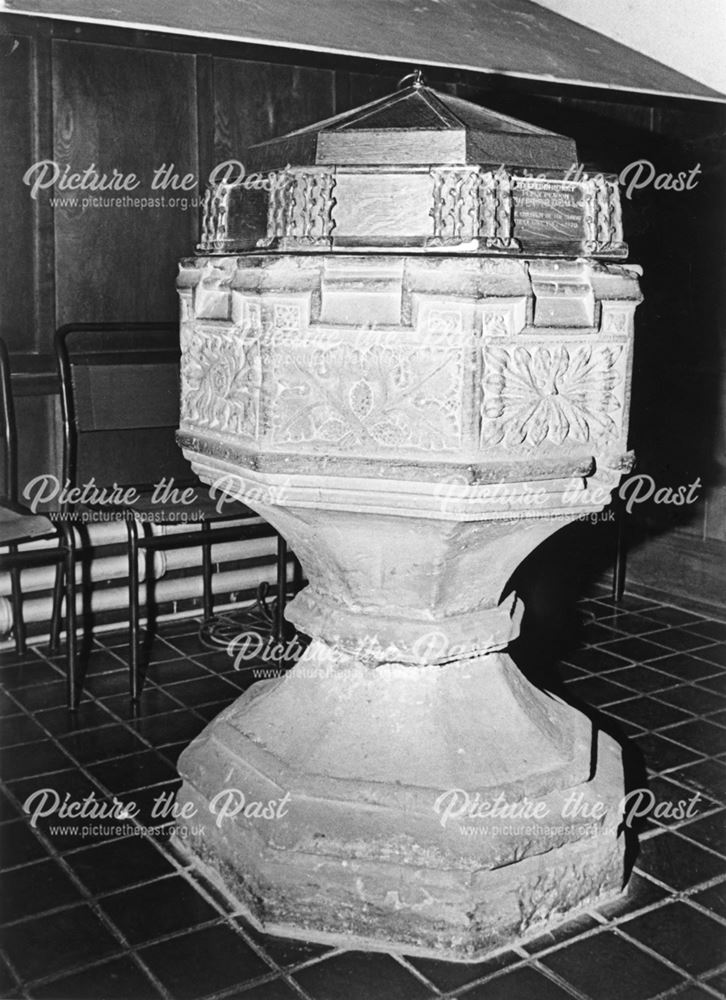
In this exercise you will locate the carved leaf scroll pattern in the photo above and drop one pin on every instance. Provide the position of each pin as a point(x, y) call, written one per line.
point(364, 397)
point(220, 378)
point(550, 393)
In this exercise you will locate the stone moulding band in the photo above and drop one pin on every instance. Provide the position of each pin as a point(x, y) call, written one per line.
point(408, 640)
point(557, 498)
point(470, 207)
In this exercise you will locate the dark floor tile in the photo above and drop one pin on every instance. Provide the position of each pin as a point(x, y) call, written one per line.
point(598, 691)
point(594, 632)
point(273, 989)
point(19, 845)
point(99, 661)
point(126, 774)
point(63, 940)
point(115, 683)
point(19, 729)
point(8, 705)
point(682, 935)
point(694, 698)
point(670, 803)
point(48, 695)
point(708, 830)
point(209, 712)
point(519, 984)
point(564, 932)
point(642, 679)
point(632, 623)
point(31, 759)
point(674, 617)
point(221, 663)
point(203, 962)
point(640, 892)
point(63, 833)
point(713, 654)
point(94, 745)
point(172, 751)
point(285, 952)
point(628, 603)
point(707, 776)
point(678, 863)
point(34, 889)
point(161, 652)
point(29, 674)
point(8, 811)
point(147, 802)
point(174, 670)
point(684, 667)
point(699, 735)
point(188, 644)
point(10, 657)
point(60, 721)
point(692, 992)
point(452, 975)
point(604, 966)
point(118, 863)
point(662, 754)
point(203, 691)
point(568, 673)
point(712, 629)
point(358, 975)
point(8, 983)
point(716, 683)
point(636, 649)
point(152, 701)
point(170, 727)
point(152, 910)
point(717, 980)
point(119, 979)
point(714, 899)
point(649, 713)
point(680, 640)
point(597, 660)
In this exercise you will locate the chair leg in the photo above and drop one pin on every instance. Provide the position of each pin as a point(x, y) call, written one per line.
point(57, 611)
point(133, 553)
point(279, 627)
point(69, 575)
point(207, 596)
point(621, 554)
point(16, 594)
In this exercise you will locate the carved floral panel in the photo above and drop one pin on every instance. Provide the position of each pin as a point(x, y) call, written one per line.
point(365, 393)
point(220, 381)
point(562, 394)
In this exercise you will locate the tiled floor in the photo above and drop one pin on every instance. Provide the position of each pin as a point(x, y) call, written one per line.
point(88, 915)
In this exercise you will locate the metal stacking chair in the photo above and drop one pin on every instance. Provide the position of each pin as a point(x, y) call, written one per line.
point(120, 404)
point(18, 526)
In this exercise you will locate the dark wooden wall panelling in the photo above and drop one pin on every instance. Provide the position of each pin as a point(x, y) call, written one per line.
point(133, 100)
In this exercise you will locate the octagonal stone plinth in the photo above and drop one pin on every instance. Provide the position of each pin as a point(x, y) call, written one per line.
point(415, 427)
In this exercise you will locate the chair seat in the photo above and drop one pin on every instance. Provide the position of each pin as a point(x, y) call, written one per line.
point(19, 524)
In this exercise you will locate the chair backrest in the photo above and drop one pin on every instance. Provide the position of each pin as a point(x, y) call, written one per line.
point(120, 403)
point(9, 467)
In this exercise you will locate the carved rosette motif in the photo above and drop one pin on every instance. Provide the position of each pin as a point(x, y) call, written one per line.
point(220, 382)
point(565, 393)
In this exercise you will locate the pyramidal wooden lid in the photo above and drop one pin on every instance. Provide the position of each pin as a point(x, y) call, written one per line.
point(417, 126)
